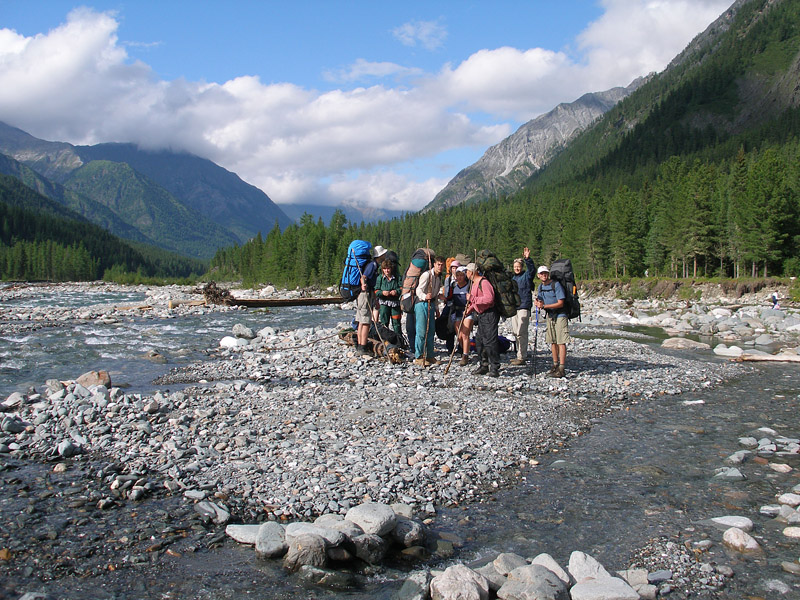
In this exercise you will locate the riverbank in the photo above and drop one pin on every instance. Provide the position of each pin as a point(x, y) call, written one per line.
point(292, 424)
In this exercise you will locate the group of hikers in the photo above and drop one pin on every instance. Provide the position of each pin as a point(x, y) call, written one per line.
point(452, 297)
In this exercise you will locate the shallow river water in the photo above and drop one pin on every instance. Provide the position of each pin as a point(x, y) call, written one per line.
point(637, 475)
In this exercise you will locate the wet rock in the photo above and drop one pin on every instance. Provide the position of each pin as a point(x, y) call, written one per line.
point(459, 583)
point(306, 549)
point(415, 587)
point(582, 566)
point(91, 378)
point(742, 523)
point(270, 540)
point(507, 562)
point(244, 332)
point(550, 563)
point(370, 548)
point(244, 534)
point(740, 541)
point(610, 587)
point(533, 581)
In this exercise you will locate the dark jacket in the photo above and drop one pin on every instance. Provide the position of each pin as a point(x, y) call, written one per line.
point(525, 285)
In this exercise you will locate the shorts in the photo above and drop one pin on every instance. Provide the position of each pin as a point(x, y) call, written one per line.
point(364, 308)
point(557, 331)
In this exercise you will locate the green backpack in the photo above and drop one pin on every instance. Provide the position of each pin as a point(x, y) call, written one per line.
point(506, 293)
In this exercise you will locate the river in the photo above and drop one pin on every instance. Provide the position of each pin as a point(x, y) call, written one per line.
point(640, 474)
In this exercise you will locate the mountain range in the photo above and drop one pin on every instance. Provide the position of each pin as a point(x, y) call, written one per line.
point(504, 168)
point(175, 201)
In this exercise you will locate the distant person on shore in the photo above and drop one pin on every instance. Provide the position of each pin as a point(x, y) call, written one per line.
point(444, 323)
point(524, 273)
point(481, 306)
point(425, 312)
point(775, 301)
point(551, 298)
point(366, 299)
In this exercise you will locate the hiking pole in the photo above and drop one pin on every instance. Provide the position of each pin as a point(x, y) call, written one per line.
point(535, 339)
point(371, 318)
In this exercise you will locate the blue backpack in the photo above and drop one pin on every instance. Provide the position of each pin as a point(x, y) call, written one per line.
point(359, 253)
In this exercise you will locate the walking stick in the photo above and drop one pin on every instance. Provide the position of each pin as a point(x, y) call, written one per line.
point(371, 318)
point(535, 339)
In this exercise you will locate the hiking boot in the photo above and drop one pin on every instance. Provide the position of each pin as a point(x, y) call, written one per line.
point(362, 350)
point(481, 370)
point(494, 373)
point(464, 361)
point(553, 369)
point(558, 372)
point(431, 361)
point(516, 362)
point(419, 361)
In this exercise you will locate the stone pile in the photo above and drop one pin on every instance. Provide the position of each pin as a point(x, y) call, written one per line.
point(512, 577)
point(364, 535)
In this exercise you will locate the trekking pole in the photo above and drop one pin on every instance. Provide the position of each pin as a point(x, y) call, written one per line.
point(535, 339)
point(371, 318)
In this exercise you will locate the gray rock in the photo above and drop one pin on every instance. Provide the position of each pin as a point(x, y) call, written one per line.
point(67, 449)
point(373, 517)
point(415, 587)
point(740, 541)
point(459, 583)
point(729, 474)
point(533, 582)
point(549, 562)
point(13, 401)
point(331, 536)
point(242, 331)
point(307, 549)
point(507, 562)
point(609, 588)
point(270, 540)
point(582, 566)
point(370, 548)
point(495, 579)
point(214, 511)
point(408, 532)
point(244, 534)
point(337, 580)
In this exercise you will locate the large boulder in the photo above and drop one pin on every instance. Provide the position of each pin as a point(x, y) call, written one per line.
point(271, 540)
point(373, 517)
point(306, 549)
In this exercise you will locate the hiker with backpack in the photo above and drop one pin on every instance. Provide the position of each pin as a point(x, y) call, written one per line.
point(551, 298)
point(524, 273)
point(482, 307)
point(387, 290)
point(366, 299)
point(425, 312)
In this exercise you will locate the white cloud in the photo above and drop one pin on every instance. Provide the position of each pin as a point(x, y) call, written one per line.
point(362, 69)
point(428, 34)
point(77, 83)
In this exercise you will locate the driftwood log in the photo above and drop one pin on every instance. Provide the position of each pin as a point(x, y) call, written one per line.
point(783, 357)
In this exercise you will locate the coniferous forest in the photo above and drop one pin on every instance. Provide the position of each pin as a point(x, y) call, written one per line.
point(684, 178)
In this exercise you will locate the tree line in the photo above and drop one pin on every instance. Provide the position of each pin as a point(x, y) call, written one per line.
point(730, 218)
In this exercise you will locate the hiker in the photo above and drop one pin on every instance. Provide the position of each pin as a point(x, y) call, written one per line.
point(387, 290)
point(481, 300)
point(775, 301)
point(425, 311)
point(550, 297)
point(524, 273)
point(461, 324)
point(444, 323)
point(366, 299)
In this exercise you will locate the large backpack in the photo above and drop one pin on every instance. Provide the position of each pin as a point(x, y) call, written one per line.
point(359, 253)
point(561, 271)
point(506, 292)
point(421, 260)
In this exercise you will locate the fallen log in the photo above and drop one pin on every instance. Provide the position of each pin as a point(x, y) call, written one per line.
point(134, 307)
point(174, 303)
point(784, 357)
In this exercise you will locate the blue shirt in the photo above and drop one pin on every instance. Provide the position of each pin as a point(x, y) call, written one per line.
point(525, 284)
point(371, 275)
point(550, 294)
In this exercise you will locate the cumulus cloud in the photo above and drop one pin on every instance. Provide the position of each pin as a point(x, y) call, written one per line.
point(428, 34)
point(76, 83)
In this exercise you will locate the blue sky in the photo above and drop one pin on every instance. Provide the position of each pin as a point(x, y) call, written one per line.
point(325, 102)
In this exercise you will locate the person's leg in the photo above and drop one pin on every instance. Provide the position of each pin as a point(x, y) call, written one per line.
point(430, 331)
point(384, 314)
point(396, 316)
point(491, 343)
point(420, 313)
point(480, 332)
point(522, 335)
point(411, 330)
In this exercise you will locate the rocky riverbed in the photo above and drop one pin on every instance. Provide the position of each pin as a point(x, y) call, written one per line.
point(284, 425)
